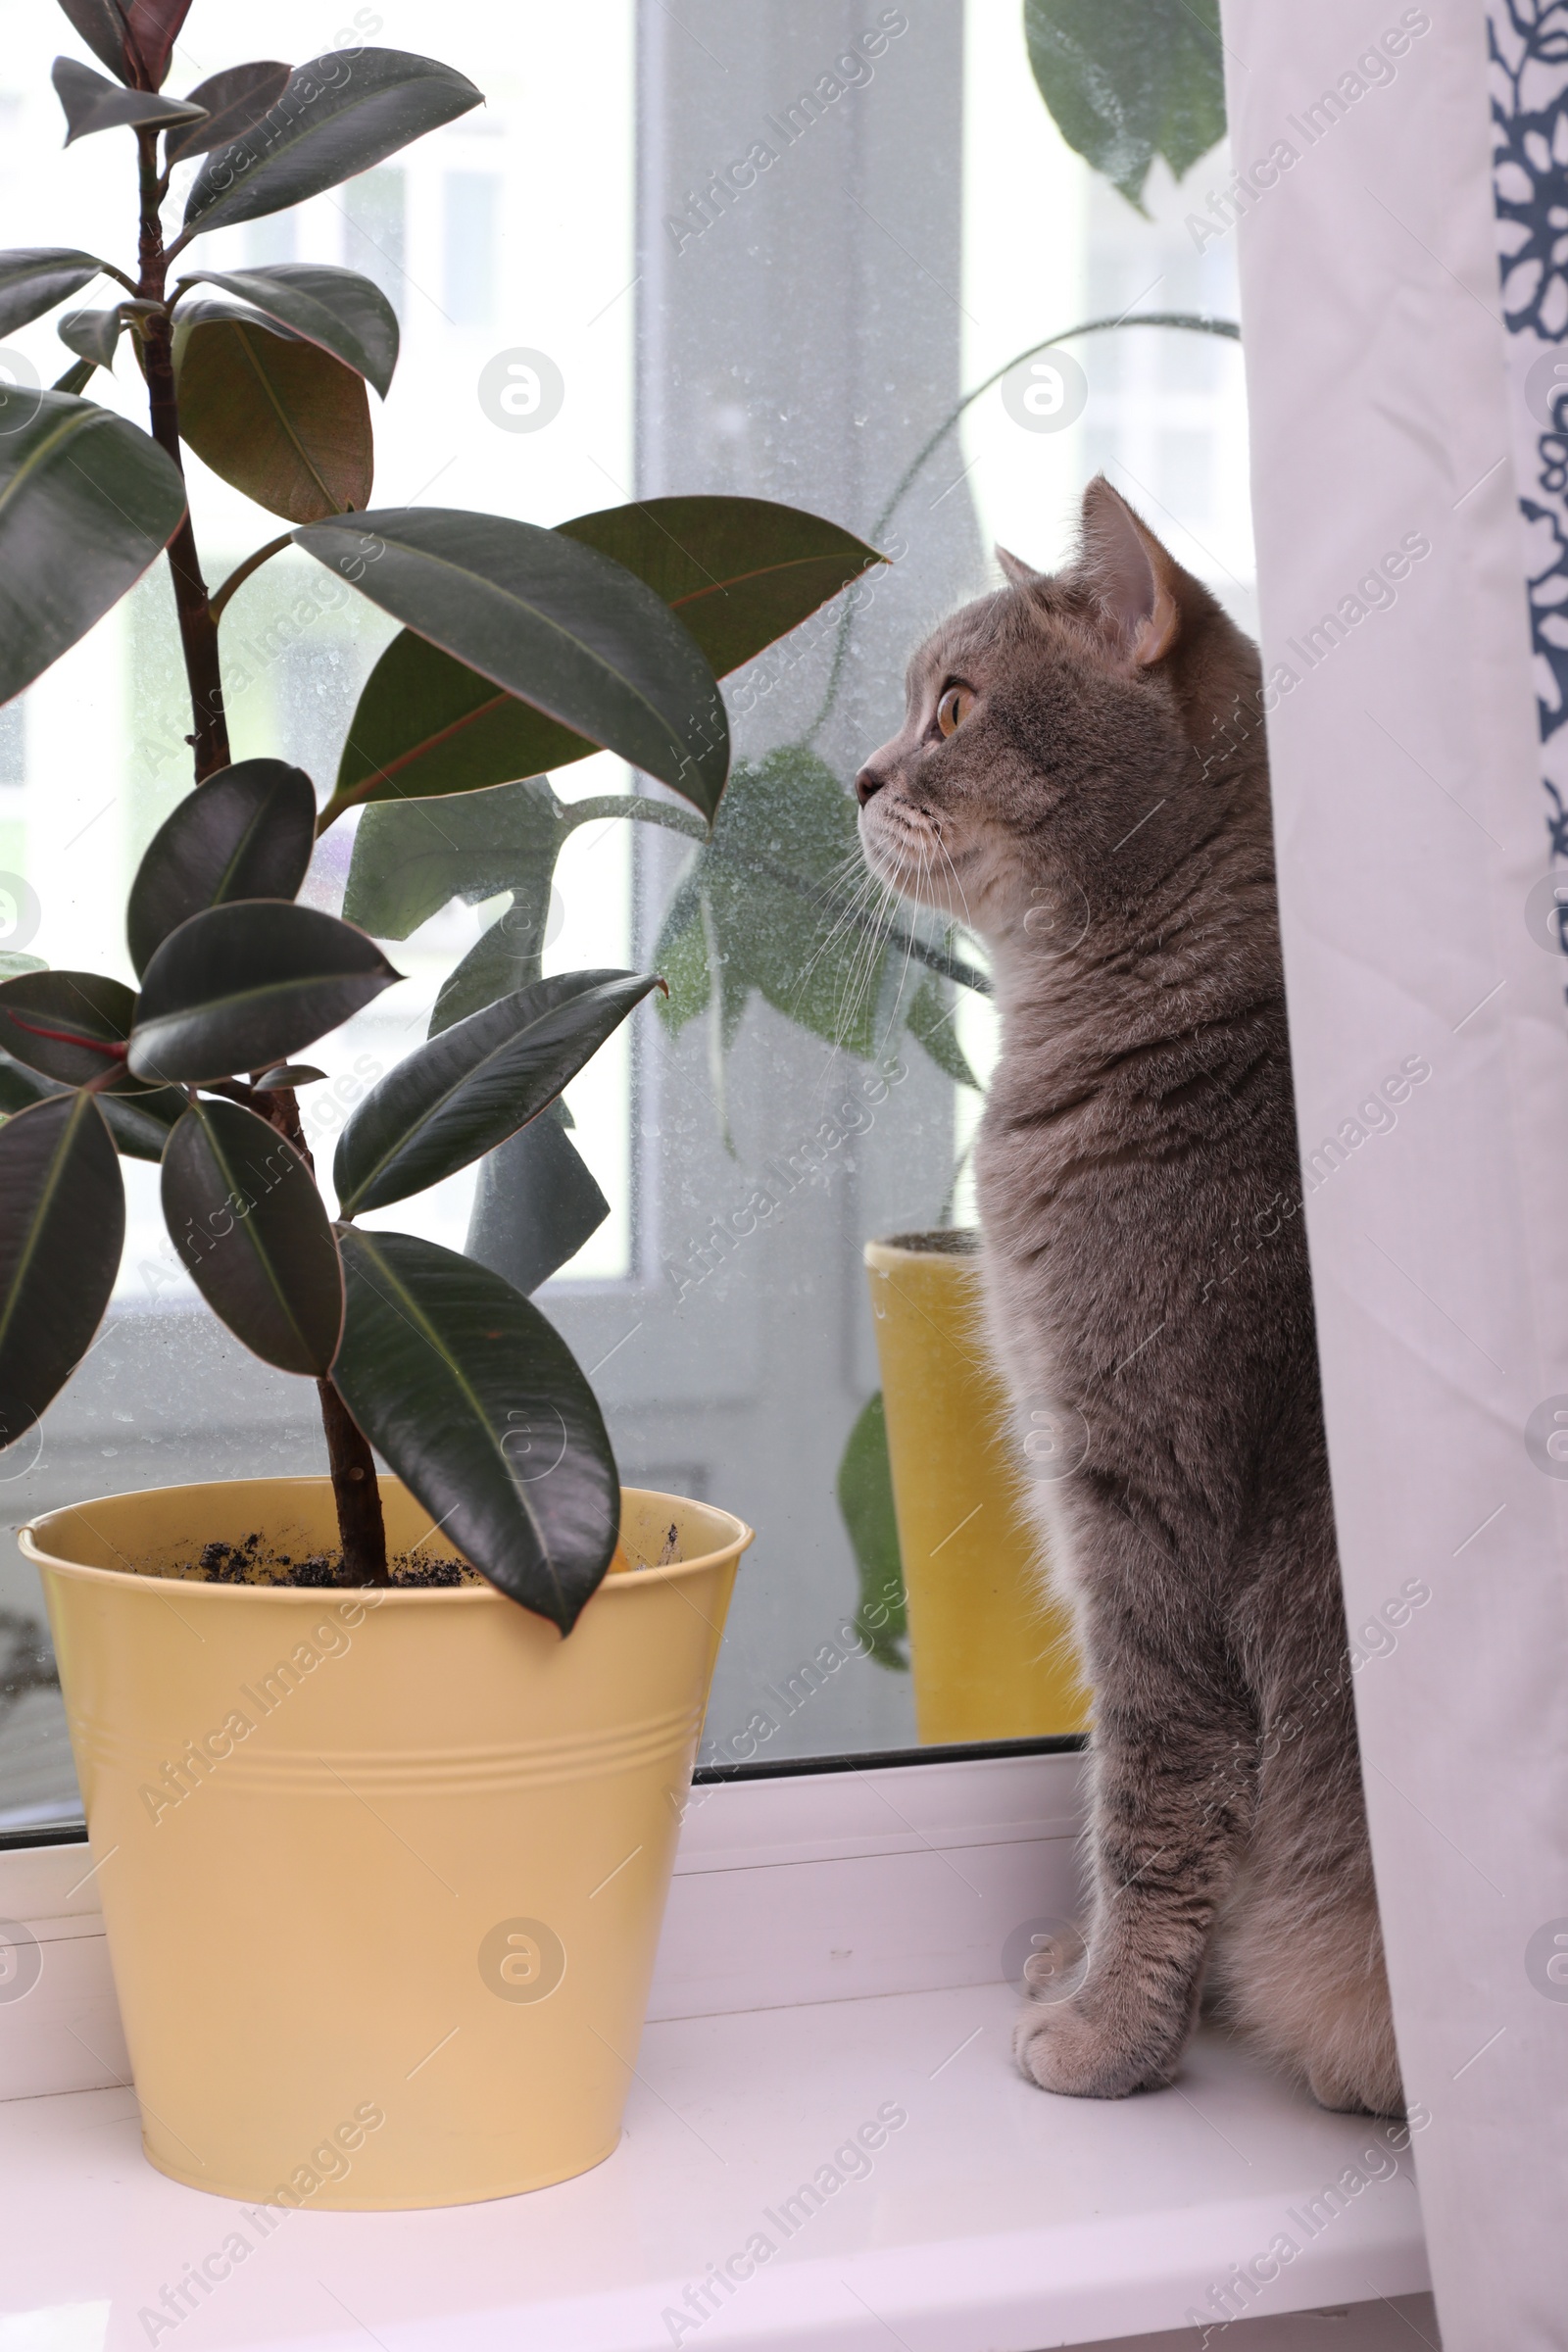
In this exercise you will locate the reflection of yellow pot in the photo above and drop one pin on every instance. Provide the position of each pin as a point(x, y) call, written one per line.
point(992, 1658)
point(382, 1872)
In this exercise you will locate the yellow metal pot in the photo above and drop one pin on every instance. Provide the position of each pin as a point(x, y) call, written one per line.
point(992, 1657)
point(382, 1870)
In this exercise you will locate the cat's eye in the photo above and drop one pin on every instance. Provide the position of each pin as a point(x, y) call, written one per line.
point(953, 709)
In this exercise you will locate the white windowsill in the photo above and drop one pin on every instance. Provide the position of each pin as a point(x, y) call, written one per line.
point(831, 1949)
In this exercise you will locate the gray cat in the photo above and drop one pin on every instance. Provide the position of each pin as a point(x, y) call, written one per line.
point(1082, 780)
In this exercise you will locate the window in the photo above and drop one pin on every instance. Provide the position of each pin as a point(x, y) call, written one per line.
point(374, 231)
point(470, 229)
point(801, 337)
point(275, 239)
point(14, 742)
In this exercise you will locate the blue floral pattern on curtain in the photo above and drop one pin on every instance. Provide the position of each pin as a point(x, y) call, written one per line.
point(1527, 41)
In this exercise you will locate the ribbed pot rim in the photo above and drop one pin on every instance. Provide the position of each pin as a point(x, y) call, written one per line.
point(316, 1595)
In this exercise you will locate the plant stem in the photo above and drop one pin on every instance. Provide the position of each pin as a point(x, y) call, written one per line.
point(637, 805)
point(356, 1487)
point(198, 630)
point(1192, 322)
point(357, 1492)
point(242, 571)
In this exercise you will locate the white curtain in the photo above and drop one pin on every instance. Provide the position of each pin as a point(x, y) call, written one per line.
point(1407, 486)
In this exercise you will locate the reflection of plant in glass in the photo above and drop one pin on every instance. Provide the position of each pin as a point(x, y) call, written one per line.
point(26, 1662)
point(521, 647)
point(1129, 79)
point(865, 1506)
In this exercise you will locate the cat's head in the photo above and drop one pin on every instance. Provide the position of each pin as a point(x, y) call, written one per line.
point(1069, 739)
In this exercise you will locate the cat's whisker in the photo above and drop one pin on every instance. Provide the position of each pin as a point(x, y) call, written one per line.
point(866, 962)
point(851, 919)
point(861, 965)
point(903, 976)
point(841, 894)
point(848, 877)
point(843, 903)
point(864, 918)
point(898, 1010)
point(963, 902)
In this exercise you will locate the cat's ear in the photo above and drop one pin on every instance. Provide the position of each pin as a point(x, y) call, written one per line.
point(1129, 574)
point(1017, 572)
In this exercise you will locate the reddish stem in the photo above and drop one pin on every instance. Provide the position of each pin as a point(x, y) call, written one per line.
point(198, 630)
point(356, 1487)
point(67, 1037)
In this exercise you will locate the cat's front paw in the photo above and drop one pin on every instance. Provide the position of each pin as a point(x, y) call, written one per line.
point(1066, 2048)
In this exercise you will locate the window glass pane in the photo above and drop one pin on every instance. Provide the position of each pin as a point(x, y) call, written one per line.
point(472, 202)
point(837, 252)
point(14, 742)
point(374, 231)
point(275, 239)
point(736, 257)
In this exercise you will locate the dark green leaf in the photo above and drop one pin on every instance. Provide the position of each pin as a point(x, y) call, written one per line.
point(469, 1088)
point(246, 833)
point(287, 1074)
point(554, 622)
point(103, 27)
point(90, 103)
point(865, 1506)
point(481, 1408)
point(503, 959)
point(682, 957)
point(91, 334)
point(61, 1226)
point(338, 114)
point(235, 102)
point(73, 1026)
point(337, 310)
point(242, 986)
point(410, 861)
point(244, 1213)
point(86, 502)
point(139, 1123)
point(738, 572)
point(76, 378)
point(1129, 79)
point(35, 277)
point(928, 1018)
point(428, 724)
point(19, 1086)
point(741, 572)
point(153, 28)
point(274, 416)
point(534, 1206)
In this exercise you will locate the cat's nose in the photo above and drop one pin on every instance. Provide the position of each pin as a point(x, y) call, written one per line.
point(867, 783)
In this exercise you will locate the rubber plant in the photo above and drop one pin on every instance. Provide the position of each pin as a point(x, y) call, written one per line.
point(526, 645)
